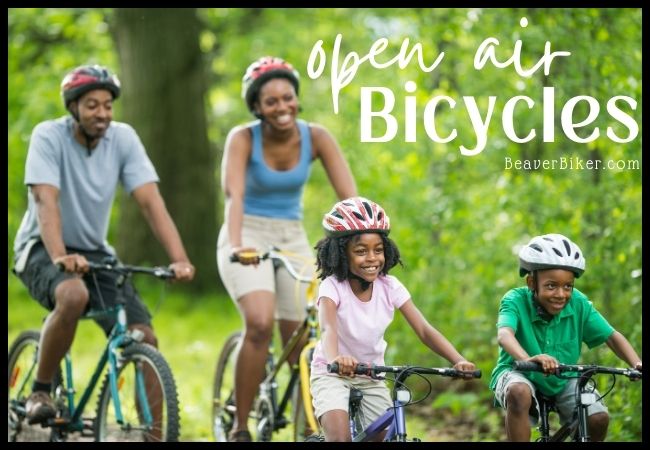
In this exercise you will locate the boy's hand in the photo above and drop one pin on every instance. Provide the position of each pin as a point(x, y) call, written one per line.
point(548, 363)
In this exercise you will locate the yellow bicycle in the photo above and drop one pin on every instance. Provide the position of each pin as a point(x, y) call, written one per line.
point(270, 407)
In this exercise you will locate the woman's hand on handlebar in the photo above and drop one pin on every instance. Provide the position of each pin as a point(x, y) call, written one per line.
point(73, 263)
point(245, 255)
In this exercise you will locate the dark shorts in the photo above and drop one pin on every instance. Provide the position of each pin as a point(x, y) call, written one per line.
point(42, 277)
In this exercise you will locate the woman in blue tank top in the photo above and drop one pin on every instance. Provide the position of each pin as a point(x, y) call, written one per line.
point(266, 164)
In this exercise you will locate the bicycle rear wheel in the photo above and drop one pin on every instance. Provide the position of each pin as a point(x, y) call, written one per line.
point(223, 389)
point(150, 412)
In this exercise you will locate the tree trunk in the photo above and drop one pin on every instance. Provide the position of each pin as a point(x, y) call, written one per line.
point(164, 85)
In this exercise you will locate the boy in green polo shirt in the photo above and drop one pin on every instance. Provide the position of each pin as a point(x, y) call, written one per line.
point(547, 322)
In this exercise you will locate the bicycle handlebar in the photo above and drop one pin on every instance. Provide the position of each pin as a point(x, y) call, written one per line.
point(275, 254)
point(532, 366)
point(125, 269)
point(372, 370)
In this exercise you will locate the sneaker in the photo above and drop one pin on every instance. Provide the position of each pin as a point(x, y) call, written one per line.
point(239, 436)
point(39, 407)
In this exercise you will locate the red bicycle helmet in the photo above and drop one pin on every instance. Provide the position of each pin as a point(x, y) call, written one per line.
point(86, 78)
point(262, 70)
point(356, 215)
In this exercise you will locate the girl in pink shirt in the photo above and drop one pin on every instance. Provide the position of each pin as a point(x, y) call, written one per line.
point(356, 302)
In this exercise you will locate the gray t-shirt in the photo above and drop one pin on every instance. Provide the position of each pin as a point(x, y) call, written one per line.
point(86, 183)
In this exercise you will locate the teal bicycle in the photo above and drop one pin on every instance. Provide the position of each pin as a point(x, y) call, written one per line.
point(138, 400)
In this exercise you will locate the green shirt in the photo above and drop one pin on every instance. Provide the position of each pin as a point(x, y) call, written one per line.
point(561, 337)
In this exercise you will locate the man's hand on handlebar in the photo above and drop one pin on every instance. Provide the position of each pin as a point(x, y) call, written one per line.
point(73, 263)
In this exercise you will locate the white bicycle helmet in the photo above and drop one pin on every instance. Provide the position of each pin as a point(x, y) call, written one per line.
point(355, 215)
point(551, 251)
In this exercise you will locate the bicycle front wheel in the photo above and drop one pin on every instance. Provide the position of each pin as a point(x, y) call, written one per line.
point(147, 398)
point(223, 389)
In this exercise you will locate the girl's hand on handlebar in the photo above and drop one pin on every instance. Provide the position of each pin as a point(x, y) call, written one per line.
point(183, 270)
point(466, 366)
point(245, 255)
point(347, 364)
point(548, 363)
point(73, 263)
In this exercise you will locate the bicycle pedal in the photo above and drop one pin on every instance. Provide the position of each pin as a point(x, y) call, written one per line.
point(57, 422)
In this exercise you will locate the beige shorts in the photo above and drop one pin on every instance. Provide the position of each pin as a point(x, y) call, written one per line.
point(330, 392)
point(565, 400)
point(260, 233)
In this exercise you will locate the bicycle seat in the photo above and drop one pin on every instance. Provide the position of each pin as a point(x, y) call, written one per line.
point(355, 396)
point(547, 402)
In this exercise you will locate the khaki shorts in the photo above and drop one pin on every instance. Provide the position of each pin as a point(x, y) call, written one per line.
point(260, 233)
point(330, 392)
point(565, 400)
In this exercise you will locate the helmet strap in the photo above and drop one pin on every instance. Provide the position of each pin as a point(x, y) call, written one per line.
point(541, 312)
point(87, 137)
point(364, 283)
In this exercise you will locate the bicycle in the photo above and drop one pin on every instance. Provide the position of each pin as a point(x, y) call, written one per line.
point(577, 429)
point(393, 421)
point(124, 410)
point(271, 402)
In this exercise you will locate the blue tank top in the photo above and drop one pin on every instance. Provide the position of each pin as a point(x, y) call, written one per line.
point(277, 193)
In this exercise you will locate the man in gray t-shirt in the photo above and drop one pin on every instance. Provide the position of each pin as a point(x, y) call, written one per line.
point(74, 165)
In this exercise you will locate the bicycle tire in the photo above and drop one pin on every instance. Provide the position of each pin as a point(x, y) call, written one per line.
point(223, 392)
point(302, 428)
point(131, 362)
point(22, 364)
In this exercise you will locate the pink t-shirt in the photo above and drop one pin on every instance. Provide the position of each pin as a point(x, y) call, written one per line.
point(361, 325)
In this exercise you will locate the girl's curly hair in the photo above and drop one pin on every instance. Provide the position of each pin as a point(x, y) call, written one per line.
point(332, 259)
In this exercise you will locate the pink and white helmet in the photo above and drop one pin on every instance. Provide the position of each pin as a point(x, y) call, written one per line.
point(355, 215)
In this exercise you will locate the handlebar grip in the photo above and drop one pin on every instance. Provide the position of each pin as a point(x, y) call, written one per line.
point(60, 267)
point(235, 256)
point(527, 366)
point(360, 368)
point(333, 368)
point(460, 373)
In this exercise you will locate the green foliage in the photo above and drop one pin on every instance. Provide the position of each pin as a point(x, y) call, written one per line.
point(459, 221)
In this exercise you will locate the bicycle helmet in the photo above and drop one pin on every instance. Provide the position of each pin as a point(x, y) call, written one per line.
point(86, 78)
point(355, 215)
point(551, 251)
point(262, 70)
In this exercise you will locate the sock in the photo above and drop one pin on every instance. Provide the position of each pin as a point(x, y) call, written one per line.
point(38, 386)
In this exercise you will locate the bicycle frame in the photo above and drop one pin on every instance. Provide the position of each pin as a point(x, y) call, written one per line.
point(121, 345)
point(269, 386)
point(119, 337)
point(578, 427)
point(394, 419)
point(271, 404)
